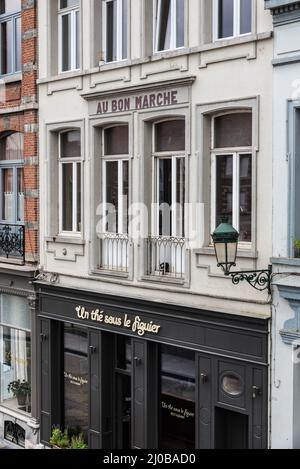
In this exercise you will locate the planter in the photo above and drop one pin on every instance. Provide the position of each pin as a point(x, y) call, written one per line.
point(21, 400)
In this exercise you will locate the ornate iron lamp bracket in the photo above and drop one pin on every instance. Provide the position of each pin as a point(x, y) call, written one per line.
point(259, 279)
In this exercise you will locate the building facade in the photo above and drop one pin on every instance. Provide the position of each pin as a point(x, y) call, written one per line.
point(19, 239)
point(155, 124)
point(285, 409)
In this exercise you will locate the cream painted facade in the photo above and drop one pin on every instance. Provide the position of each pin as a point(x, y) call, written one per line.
point(226, 74)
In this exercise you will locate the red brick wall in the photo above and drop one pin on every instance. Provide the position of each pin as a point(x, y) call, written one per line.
point(20, 100)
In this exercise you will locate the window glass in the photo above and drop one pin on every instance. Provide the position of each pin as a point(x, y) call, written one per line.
point(224, 188)
point(164, 25)
point(245, 198)
point(14, 312)
point(116, 140)
point(170, 136)
point(111, 31)
point(9, 6)
point(177, 416)
point(6, 47)
point(20, 194)
point(79, 190)
point(70, 144)
point(112, 195)
point(18, 33)
point(180, 23)
point(124, 29)
point(67, 187)
point(8, 195)
point(66, 42)
point(226, 18)
point(245, 16)
point(68, 3)
point(233, 130)
point(165, 197)
point(11, 147)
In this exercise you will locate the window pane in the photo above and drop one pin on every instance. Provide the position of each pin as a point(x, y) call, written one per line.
point(11, 147)
point(18, 33)
point(226, 11)
point(67, 201)
point(245, 16)
point(125, 165)
point(76, 380)
point(116, 140)
point(10, 6)
point(180, 196)
point(66, 42)
point(170, 136)
point(78, 165)
point(20, 193)
point(180, 23)
point(77, 33)
point(15, 372)
point(70, 144)
point(233, 130)
point(178, 396)
point(245, 198)
point(125, 30)
point(165, 197)
point(14, 312)
point(111, 31)
point(163, 22)
point(6, 47)
point(112, 195)
point(69, 4)
point(224, 187)
point(7, 195)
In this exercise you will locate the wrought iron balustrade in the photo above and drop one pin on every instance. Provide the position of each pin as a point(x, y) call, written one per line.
point(114, 255)
point(166, 256)
point(12, 242)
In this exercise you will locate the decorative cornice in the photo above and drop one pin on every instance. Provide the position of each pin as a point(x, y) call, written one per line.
point(283, 11)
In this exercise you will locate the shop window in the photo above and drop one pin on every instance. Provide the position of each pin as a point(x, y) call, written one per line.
point(232, 173)
point(169, 24)
point(178, 395)
point(10, 36)
point(15, 353)
point(232, 18)
point(123, 372)
point(70, 168)
point(115, 242)
point(167, 243)
point(115, 30)
point(69, 34)
point(76, 381)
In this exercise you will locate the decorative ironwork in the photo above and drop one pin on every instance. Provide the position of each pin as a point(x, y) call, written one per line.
point(115, 252)
point(12, 242)
point(258, 279)
point(166, 256)
point(14, 433)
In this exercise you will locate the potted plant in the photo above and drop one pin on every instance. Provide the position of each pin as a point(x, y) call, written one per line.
point(297, 248)
point(78, 442)
point(21, 390)
point(59, 439)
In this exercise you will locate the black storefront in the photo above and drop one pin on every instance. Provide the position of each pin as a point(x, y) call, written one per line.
point(133, 374)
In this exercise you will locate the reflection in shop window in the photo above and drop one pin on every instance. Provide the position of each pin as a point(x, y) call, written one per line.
point(15, 356)
point(177, 415)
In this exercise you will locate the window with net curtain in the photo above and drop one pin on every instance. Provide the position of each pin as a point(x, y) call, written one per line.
point(12, 178)
point(15, 353)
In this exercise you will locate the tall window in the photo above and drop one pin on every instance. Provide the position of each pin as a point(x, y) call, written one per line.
point(11, 179)
point(10, 36)
point(115, 30)
point(70, 181)
point(232, 18)
point(232, 172)
point(168, 24)
point(115, 197)
point(69, 32)
point(15, 353)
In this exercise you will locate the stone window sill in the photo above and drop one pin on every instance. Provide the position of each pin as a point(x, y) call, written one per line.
point(65, 240)
point(242, 253)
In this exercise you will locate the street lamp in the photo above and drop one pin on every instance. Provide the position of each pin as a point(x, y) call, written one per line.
point(225, 239)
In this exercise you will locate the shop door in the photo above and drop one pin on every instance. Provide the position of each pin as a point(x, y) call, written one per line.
point(232, 404)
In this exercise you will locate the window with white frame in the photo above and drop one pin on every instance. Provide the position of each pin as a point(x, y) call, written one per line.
point(232, 18)
point(167, 243)
point(115, 198)
point(169, 24)
point(115, 30)
point(12, 179)
point(69, 35)
point(232, 172)
point(70, 168)
point(10, 36)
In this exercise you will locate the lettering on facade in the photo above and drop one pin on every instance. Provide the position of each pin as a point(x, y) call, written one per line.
point(138, 103)
point(178, 412)
point(75, 380)
point(136, 325)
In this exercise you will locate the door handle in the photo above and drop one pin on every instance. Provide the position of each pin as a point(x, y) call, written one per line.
point(256, 391)
point(137, 361)
point(203, 378)
point(92, 350)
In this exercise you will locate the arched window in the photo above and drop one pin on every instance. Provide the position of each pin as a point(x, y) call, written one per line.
point(12, 178)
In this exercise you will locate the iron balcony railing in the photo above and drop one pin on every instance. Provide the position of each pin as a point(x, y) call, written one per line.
point(114, 252)
point(166, 256)
point(12, 242)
